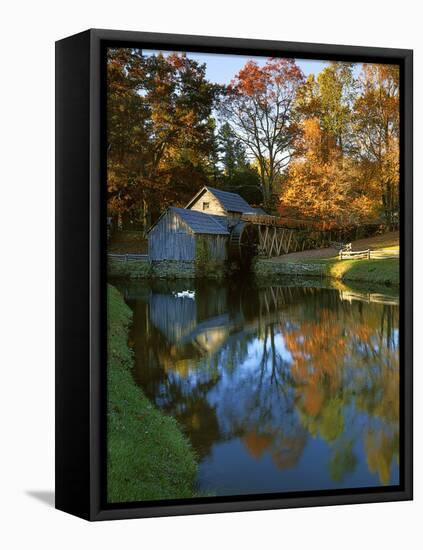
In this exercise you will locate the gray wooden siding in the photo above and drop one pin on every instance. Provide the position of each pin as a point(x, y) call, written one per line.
point(217, 246)
point(214, 205)
point(171, 239)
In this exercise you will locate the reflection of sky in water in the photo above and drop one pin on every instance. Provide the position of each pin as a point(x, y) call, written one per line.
point(257, 348)
point(302, 395)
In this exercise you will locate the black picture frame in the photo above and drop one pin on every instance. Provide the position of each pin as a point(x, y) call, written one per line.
point(81, 273)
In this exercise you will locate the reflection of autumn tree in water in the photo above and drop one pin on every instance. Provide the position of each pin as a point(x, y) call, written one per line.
point(272, 371)
point(316, 365)
point(338, 362)
point(257, 444)
point(285, 450)
point(382, 438)
point(382, 447)
point(265, 418)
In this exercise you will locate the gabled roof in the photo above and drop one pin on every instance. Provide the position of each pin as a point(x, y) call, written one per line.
point(199, 222)
point(231, 202)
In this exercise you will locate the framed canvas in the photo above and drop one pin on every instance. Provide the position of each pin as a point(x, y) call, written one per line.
point(233, 274)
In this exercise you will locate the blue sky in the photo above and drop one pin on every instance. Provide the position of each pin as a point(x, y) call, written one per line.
point(222, 68)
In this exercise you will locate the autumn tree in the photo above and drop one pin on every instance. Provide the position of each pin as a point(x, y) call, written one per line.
point(345, 171)
point(326, 191)
point(325, 147)
point(127, 131)
point(259, 106)
point(329, 98)
point(337, 90)
point(160, 128)
point(377, 128)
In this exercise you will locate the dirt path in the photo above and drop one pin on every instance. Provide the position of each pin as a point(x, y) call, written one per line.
point(372, 243)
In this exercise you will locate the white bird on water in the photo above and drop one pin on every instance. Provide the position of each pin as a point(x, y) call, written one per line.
point(185, 294)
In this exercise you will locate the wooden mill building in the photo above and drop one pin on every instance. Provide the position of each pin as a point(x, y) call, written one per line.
point(225, 223)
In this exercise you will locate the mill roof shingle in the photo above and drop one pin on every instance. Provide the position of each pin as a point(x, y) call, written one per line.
point(201, 223)
point(231, 202)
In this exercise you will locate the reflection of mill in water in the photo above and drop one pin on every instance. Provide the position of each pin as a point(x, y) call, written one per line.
point(206, 326)
point(195, 340)
point(184, 321)
point(199, 327)
point(232, 365)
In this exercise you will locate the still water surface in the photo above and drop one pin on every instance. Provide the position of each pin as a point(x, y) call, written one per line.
point(279, 389)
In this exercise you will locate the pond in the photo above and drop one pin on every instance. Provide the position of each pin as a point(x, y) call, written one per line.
point(280, 388)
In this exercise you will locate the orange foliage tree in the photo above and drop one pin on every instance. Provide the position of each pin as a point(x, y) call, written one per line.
point(160, 129)
point(260, 107)
point(377, 128)
point(328, 191)
point(346, 170)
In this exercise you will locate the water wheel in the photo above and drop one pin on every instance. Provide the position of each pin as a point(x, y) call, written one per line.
point(243, 242)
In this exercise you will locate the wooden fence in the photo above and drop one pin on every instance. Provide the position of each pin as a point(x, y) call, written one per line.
point(381, 254)
point(369, 297)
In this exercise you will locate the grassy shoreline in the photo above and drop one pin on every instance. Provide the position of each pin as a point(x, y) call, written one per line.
point(149, 457)
point(381, 271)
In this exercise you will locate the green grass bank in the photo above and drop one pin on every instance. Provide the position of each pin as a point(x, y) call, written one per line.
point(381, 271)
point(149, 457)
